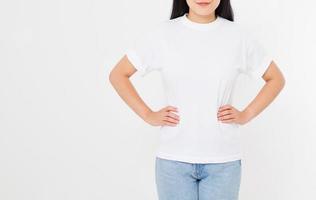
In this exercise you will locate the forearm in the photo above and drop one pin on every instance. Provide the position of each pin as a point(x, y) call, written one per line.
point(265, 96)
point(128, 93)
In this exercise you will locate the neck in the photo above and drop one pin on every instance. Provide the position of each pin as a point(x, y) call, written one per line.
point(201, 18)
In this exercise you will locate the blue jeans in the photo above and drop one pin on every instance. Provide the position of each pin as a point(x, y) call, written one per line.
point(176, 180)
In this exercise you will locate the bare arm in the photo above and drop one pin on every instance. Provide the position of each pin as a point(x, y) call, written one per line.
point(119, 78)
point(275, 82)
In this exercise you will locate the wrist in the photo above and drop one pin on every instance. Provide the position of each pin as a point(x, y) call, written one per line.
point(146, 114)
point(249, 114)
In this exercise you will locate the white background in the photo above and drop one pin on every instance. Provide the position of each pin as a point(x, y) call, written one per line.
point(66, 134)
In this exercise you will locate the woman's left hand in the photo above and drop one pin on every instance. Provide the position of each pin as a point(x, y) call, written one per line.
point(229, 114)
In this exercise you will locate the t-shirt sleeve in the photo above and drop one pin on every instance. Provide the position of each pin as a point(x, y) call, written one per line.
point(257, 57)
point(142, 53)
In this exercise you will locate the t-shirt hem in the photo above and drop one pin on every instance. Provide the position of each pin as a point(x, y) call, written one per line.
point(262, 68)
point(193, 159)
point(135, 60)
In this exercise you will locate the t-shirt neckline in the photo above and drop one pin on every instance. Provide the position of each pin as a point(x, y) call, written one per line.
point(200, 26)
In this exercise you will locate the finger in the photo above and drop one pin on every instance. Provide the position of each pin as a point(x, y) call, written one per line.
point(170, 119)
point(228, 121)
point(175, 116)
point(168, 123)
point(225, 107)
point(225, 112)
point(171, 108)
point(230, 116)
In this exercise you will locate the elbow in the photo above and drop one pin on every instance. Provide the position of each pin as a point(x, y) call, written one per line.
point(282, 81)
point(278, 82)
point(111, 77)
point(115, 76)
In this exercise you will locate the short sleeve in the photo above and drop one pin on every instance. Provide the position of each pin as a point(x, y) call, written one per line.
point(257, 58)
point(143, 52)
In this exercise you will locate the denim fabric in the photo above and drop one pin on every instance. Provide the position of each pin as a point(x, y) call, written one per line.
point(177, 180)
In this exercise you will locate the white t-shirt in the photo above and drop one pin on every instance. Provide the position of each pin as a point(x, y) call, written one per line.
point(199, 65)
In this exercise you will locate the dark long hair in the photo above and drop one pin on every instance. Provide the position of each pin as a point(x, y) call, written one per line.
point(224, 9)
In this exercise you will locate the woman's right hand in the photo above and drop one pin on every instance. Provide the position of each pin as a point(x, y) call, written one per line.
point(164, 116)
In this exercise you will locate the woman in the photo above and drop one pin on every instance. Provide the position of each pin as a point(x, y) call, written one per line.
point(200, 52)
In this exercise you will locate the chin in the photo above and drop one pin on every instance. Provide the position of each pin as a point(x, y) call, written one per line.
point(204, 12)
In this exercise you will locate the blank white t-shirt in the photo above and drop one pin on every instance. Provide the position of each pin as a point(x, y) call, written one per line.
point(199, 63)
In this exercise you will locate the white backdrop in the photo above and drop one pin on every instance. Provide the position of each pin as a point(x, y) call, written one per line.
point(66, 134)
